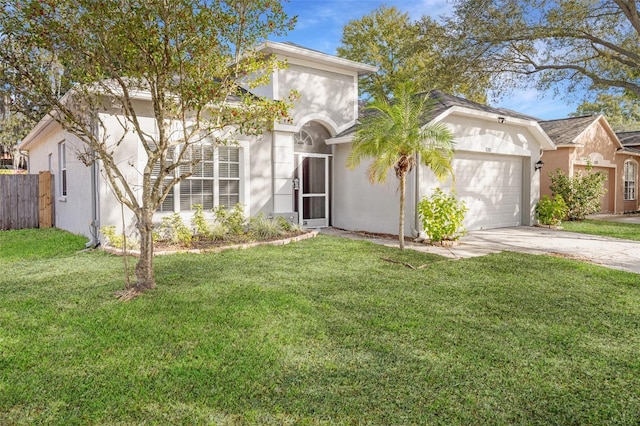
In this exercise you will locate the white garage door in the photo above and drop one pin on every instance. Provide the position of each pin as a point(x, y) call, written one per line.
point(491, 186)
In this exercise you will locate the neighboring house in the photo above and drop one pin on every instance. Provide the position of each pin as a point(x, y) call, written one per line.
point(494, 169)
point(298, 169)
point(591, 140)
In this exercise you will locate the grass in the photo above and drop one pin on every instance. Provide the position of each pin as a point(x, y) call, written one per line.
point(628, 231)
point(318, 332)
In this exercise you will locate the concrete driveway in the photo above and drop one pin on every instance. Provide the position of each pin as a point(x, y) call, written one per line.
point(605, 251)
point(609, 252)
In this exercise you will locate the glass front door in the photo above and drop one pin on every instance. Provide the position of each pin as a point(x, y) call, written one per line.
point(313, 195)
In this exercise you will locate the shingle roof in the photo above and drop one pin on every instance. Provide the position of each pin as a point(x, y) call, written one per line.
point(565, 130)
point(443, 102)
point(629, 139)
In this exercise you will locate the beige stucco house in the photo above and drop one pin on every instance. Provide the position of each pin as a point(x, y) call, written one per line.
point(591, 140)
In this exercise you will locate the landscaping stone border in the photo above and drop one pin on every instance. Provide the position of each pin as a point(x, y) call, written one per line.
point(136, 253)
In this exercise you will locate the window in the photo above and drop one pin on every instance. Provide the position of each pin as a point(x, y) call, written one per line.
point(228, 176)
point(62, 168)
point(630, 180)
point(214, 174)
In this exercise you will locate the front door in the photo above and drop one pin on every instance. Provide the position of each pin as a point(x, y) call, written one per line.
point(313, 195)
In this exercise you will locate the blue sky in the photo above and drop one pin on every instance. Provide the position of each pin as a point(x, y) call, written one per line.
point(320, 24)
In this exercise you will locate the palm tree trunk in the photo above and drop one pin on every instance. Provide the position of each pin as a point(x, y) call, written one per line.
point(401, 221)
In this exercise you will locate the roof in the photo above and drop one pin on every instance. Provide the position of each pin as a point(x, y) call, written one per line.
point(296, 51)
point(564, 131)
point(629, 139)
point(443, 102)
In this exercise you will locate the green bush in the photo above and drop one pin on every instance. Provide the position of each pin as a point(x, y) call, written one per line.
point(442, 216)
point(233, 220)
point(117, 240)
point(581, 193)
point(263, 228)
point(551, 211)
point(174, 230)
point(199, 224)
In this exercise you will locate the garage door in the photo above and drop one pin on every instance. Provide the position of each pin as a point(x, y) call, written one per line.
point(491, 186)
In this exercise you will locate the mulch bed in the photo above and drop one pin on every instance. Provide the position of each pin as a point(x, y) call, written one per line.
point(211, 246)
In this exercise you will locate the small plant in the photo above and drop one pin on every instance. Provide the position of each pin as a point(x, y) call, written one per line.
point(233, 220)
point(116, 240)
point(285, 225)
point(550, 212)
point(442, 216)
point(199, 223)
point(262, 227)
point(174, 230)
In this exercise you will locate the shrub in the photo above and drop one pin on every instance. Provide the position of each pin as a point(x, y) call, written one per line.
point(232, 219)
point(285, 225)
point(262, 227)
point(442, 216)
point(117, 240)
point(581, 193)
point(174, 230)
point(199, 223)
point(551, 211)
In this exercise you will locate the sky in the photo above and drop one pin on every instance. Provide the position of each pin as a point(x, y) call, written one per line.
point(320, 24)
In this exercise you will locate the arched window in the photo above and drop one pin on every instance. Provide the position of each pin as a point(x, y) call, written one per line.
point(630, 173)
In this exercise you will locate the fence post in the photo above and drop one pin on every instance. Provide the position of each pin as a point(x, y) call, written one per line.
point(45, 197)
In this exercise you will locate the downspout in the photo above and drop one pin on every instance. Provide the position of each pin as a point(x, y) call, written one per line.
point(94, 225)
point(416, 191)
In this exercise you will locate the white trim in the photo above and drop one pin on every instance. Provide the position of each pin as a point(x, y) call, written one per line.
point(299, 52)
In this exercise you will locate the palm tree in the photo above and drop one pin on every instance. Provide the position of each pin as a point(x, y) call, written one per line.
point(396, 135)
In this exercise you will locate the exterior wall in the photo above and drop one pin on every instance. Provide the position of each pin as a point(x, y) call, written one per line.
point(261, 175)
point(72, 212)
point(360, 205)
point(326, 93)
point(554, 160)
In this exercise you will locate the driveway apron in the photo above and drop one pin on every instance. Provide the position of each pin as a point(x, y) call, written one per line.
point(609, 252)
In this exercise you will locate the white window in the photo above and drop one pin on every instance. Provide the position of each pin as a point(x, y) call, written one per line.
point(62, 168)
point(215, 180)
point(630, 180)
point(228, 176)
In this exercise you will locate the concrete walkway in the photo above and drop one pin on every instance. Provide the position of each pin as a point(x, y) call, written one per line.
point(608, 252)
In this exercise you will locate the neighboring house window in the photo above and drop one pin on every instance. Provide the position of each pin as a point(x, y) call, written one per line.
point(630, 180)
point(62, 165)
point(211, 175)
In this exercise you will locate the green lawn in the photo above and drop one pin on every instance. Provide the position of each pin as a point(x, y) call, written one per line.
point(318, 332)
point(628, 231)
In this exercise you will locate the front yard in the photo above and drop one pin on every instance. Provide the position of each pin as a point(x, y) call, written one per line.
point(318, 332)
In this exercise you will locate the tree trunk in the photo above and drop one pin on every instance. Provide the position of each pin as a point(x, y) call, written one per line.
point(144, 269)
point(401, 221)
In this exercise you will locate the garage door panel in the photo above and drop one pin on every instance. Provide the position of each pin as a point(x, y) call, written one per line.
point(491, 187)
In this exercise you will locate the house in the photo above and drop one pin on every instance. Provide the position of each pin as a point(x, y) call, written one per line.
point(298, 169)
point(494, 169)
point(591, 140)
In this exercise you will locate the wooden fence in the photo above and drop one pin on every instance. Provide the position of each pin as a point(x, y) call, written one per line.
point(26, 201)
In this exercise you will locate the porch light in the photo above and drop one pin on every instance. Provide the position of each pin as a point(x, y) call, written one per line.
point(539, 165)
